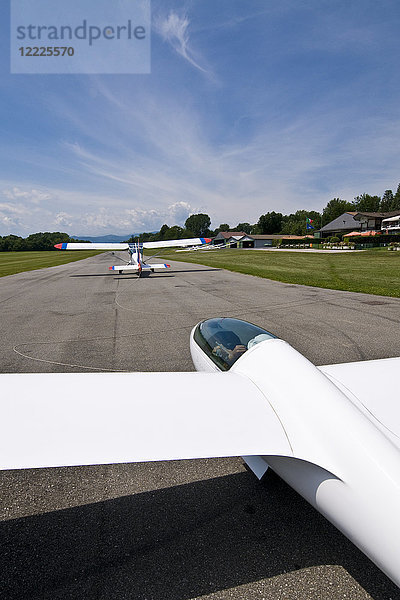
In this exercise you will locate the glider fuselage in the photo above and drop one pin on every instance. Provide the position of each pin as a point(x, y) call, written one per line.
point(344, 461)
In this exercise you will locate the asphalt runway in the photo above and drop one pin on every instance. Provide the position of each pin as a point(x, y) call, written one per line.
point(184, 529)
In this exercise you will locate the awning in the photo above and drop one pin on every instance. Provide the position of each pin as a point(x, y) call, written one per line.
point(363, 233)
point(368, 233)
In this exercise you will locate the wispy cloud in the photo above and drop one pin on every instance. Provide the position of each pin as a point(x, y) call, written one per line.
point(298, 117)
point(159, 166)
point(174, 29)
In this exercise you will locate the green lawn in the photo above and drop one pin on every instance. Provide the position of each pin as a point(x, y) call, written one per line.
point(370, 271)
point(17, 262)
point(374, 271)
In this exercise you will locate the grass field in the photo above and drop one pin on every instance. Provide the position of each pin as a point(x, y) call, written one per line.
point(370, 271)
point(17, 262)
point(374, 271)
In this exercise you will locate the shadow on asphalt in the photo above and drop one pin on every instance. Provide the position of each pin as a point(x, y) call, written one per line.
point(93, 275)
point(194, 270)
point(153, 275)
point(177, 543)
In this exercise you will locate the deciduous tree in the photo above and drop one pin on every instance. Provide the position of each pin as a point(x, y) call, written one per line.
point(334, 209)
point(199, 224)
point(246, 227)
point(396, 199)
point(271, 222)
point(366, 203)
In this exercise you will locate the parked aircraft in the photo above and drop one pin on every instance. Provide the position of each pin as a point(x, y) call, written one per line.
point(136, 263)
point(203, 248)
point(331, 432)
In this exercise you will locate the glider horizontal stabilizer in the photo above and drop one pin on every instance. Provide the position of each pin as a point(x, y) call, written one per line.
point(143, 267)
point(156, 266)
point(124, 268)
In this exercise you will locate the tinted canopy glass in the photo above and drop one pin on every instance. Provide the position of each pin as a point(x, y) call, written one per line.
point(224, 340)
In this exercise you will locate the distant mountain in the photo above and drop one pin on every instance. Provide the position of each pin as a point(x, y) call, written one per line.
point(103, 239)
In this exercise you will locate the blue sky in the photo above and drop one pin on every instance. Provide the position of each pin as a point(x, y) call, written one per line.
point(250, 106)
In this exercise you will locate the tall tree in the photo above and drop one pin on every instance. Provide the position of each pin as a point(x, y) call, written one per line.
point(36, 241)
point(387, 201)
point(246, 227)
point(174, 233)
point(396, 199)
point(255, 229)
point(12, 243)
point(163, 231)
point(222, 227)
point(292, 226)
point(334, 209)
point(366, 203)
point(271, 222)
point(295, 224)
point(199, 224)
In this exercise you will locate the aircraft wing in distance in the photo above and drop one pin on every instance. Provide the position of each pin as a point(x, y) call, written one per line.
point(92, 246)
point(177, 243)
point(126, 245)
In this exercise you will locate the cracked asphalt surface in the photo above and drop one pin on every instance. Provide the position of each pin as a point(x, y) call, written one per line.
point(177, 530)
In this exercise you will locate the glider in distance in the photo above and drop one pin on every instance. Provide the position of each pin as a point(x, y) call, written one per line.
point(136, 263)
point(331, 432)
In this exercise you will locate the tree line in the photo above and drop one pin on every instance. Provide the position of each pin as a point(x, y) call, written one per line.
point(198, 225)
point(36, 241)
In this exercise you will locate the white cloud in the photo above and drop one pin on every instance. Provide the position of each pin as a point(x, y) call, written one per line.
point(11, 208)
point(87, 214)
point(63, 219)
point(130, 220)
point(10, 218)
point(179, 212)
point(152, 219)
point(32, 195)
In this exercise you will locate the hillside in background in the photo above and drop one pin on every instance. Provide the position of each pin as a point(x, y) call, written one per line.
point(103, 238)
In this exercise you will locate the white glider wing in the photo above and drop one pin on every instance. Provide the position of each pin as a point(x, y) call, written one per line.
point(60, 419)
point(375, 384)
point(125, 245)
point(174, 243)
point(90, 246)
